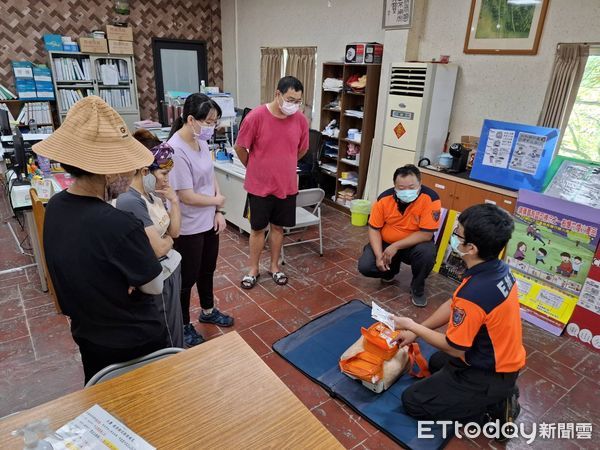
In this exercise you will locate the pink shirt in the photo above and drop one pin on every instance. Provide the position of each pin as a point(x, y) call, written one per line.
point(274, 145)
point(193, 169)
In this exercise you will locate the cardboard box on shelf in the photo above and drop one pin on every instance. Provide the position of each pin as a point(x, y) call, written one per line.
point(364, 53)
point(120, 47)
point(91, 45)
point(119, 33)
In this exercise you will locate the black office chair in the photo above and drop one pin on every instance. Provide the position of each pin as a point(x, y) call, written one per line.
point(244, 114)
point(309, 164)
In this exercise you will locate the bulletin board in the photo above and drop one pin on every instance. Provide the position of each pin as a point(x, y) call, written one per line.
point(513, 155)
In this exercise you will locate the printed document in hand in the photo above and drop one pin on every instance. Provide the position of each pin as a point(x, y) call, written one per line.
point(96, 429)
point(383, 316)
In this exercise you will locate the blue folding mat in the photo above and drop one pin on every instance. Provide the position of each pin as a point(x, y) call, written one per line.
point(315, 349)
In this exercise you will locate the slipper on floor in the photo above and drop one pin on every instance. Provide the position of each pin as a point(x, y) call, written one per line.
point(279, 278)
point(249, 281)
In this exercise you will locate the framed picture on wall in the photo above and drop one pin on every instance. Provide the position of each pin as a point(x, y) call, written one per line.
point(397, 14)
point(505, 27)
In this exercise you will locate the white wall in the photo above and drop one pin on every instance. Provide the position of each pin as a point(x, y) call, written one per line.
point(499, 87)
point(503, 87)
point(280, 23)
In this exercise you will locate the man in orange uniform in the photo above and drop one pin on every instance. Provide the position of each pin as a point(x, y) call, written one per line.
point(401, 230)
point(474, 374)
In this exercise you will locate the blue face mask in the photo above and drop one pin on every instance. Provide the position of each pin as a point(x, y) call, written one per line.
point(454, 243)
point(407, 195)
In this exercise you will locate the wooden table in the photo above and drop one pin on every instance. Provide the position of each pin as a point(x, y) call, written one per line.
point(217, 395)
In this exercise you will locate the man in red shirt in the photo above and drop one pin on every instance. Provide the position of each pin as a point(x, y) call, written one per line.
point(272, 138)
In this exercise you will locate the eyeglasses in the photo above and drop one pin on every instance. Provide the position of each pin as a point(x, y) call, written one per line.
point(462, 238)
point(294, 101)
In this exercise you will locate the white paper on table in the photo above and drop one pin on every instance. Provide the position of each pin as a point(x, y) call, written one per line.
point(96, 429)
point(383, 316)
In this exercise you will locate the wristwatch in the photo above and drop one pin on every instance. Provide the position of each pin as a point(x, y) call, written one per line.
point(220, 211)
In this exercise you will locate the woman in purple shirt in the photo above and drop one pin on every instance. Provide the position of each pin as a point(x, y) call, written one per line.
point(194, 181)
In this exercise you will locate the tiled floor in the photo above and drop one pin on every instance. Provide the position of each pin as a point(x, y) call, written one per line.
point(39, 361)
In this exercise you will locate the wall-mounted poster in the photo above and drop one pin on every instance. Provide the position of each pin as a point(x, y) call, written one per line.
point(574, 180)
point(513, 155)
point(397, 14)
point(505, 27)
point(554, 240)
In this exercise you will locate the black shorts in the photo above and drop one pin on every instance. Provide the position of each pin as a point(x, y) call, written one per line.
point(261, 211)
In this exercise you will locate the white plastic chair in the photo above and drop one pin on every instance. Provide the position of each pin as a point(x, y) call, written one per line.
point(308, 213)
point(114, 370)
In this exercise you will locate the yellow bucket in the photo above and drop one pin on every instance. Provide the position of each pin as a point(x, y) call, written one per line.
point(358, 219)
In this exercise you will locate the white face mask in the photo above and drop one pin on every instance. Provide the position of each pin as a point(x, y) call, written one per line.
point(407, 195)
point(289, 108)
point(455, 243)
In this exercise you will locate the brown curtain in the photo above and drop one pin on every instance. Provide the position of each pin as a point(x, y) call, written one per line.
point(270, 72)
point(567, 72)
point(301, 64)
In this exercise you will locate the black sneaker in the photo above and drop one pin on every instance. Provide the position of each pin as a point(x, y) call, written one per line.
point(190, 336)
point(507, 411)
point(216, 317)
point(418, 300)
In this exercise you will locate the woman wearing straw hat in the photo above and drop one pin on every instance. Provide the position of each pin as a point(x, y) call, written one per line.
point(100, 261)
point(202, 220)
point(144, 199)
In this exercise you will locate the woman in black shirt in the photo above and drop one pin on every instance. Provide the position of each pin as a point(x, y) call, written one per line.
point(99, 258)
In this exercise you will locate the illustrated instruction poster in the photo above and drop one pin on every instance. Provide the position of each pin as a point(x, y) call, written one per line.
point(514, 155)
point(497, 148)
point(554, 240)
point(528, 153)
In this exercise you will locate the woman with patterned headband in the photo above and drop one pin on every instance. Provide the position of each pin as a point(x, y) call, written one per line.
point(146, 199)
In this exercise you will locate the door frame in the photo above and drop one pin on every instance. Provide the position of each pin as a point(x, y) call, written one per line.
point(175, 44)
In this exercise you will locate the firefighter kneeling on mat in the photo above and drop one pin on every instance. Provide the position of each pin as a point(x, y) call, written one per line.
point(473, 376)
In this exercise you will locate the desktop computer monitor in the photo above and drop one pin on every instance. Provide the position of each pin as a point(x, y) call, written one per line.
point(4, 123)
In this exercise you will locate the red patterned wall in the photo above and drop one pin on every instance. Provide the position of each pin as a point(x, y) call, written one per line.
point(23, 22)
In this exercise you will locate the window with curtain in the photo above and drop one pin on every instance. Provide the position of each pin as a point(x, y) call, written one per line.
point(581, 138)
point(299, 62)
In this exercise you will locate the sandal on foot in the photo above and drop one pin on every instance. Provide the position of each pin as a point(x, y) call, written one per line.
point(279, 278)
point(249, 281)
